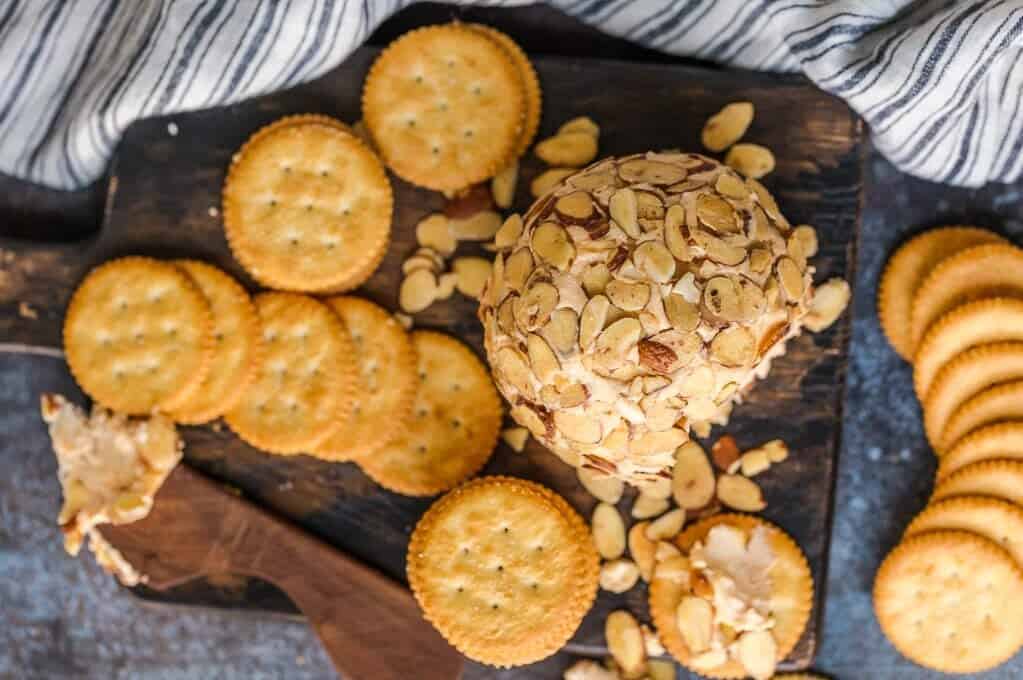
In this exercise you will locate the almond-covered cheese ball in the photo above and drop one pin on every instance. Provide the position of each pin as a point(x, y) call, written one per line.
point(639, 298)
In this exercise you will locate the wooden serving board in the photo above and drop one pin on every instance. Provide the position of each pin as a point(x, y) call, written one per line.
point(163, 200)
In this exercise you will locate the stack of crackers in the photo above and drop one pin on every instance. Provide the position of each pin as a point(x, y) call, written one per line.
point(951, 301)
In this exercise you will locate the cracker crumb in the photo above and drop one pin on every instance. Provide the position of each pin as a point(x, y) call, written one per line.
point(26, 311)
point(172, 129)
point(213, 212)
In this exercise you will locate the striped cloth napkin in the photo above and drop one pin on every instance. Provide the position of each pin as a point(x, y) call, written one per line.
point(940, 83)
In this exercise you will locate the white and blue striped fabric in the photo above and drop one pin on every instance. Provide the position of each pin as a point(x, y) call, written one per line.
point(940, 82)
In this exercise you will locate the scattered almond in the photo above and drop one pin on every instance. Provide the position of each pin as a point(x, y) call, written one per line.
point(27, 311)
point(753, 462)
point(618, 575)
point(502, 186)
point(740, 493)
point(547, 180)
point(693, 478)
point(479, 227)
point(829, 301)
point(508, 234)
point(642, 549)
point(418, 291)
point(515, 437)
point(625, 642)
point(695, 620)
point(724, 452)
point(666, 526)
point(624, 208)
point(419, 262)
point(752, 160)
point(647, 506)
point(471, 275)
point(727, 126)
point(651, 642)
point(551, 242)
point(446, 285)
point(580, 124)
point(434, 231)
point(777, 450)
point(608, 531)
point(568, 149)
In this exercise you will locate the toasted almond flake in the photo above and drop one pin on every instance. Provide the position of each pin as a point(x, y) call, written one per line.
point(625, 642)
point(727, 126)
point(515, 437)
point(758, 653)
point(695, 620)
point(740, 493)
point(753, 462)
point(666, 526)
point(446, 284)
point(693, 479)
point(791, 278)
point(655, 260)
point(506, 315)
point(760, 260)
point(547, 180)
point(568, 149)
point(642, 549)
point(434, 231)
point(646, 171)
point(502, 186)
point(601, 486)
point(533, 309)
point(479, 227)
point(734, 347)
point(807, 237)
point(542, 358)
point(551, 243)
point(717, 214)
point(608, 531)
point(595, 278)
point(630, 297)
point(575, 207)
point(731, 186)
point(752, 160)
point(417, 291)
point(419, 262)
point(592, 320)
point(647, 506)
point(624, 208)
point(471, 275)
point(829, 301)
point(722, 299)
point(579, 428)
point(674, 239)
point(581, 124)
point(508, 235)
point(513, 365)
point(619, 575)
point(517, 268)
point(777, 450)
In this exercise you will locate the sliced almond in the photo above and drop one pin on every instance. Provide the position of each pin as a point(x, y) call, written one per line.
point(765, 199)
point(647, 506)
point(513, 365)
point(717, 249)
point(575, 207)
point(581, 124)
point(699, 382)
point(665, 550)
point(595, 278)
point(506, 315)
point(727, 126)
point(418, 262)
point(829, 301)
point(722, 300)
point(645, 171)
point(717, 214)
point(777, 450)
point(562, 330)
point(625, 642)
point(676, 569)
point(547, 180)
point(417, 291)
point(551, 243)
point(651, 384)
point(674, 239)
point(509, 233)
point(651, 443)
point(758, 653)
point(576, 427)
point(533, 309)
point(752, 160)
point(598, 177)
point(682, 315)
point(753, 462)
point(515, 437)
point(542, 358)
point(666, 526)
point(608, 531)
point(693, 478)
point(731, 186)
point(502, 186)
point(517, 269)
point(630, 297)
point(592, 320)
point(648, 206)
point(642, 549)
point(536, 420)
point(434, 231)
point(618, 576)
point(725, 452)
point(771, 337)
point(446, 285)
point(657, 488)
point(471, 275)
point(569, 149)
point(734, 347)
point(760, 260)
point(479, 227)
point(617, 339)
point(601, 486)
point(753, 301)
point(661, 414)
point(655, 260)
point(740, 493)
point(791, 278)
point(624, 209)
point(695, 620)
point(807, 237)
point(657, 357)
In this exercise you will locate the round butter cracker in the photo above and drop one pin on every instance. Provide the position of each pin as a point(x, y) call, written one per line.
point(455, 423)
point(1001, 403)
point(791, 598)
point(445, 106)
point(994, 519)
point(236, 345)
point(306, 382)
point(1003, 441)
point(906, 270)
point(963, 377)
point(387, 381)
point(504, 569)
point(1002, 479)
point(137, 335)
point(307, 206)
point(948, 600)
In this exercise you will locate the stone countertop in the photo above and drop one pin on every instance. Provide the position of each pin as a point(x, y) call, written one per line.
point(65, 618)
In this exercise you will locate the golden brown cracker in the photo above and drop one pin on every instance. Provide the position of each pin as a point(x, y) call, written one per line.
point(307, 206)
point(236, 344)
point(456, 419)
point(530, 83)
point(1001, 479)
point(137, 335)
point(949, 600)
point(994, 442)
point(445, 106)
point(387, 381)
point(791, 601)
point(306, 382)
point(963, 377)
point(504, 569)
point(974, 323)
point(985, 271)
point(994, 519)
point(1001, 403)
point(906, 270)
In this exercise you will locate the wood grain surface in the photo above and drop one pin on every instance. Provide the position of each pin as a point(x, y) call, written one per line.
point(163, 188)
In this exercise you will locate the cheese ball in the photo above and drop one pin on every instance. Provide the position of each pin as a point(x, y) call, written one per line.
point(639, 299)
